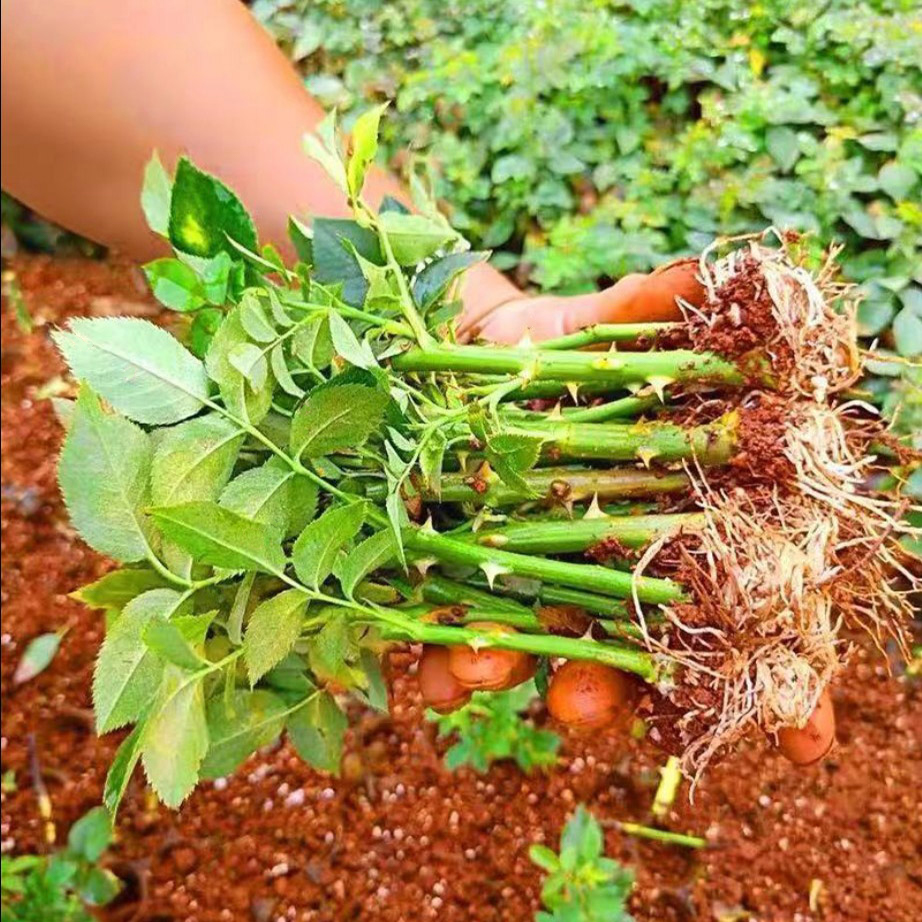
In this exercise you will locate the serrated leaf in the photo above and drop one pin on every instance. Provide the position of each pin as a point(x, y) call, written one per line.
point(330, 651)
point(156, 192)
point(175, 285)
point(348, 346)
point(116, 589)
point(369, 555)
point(139, 368)
point(413, 237)
point(37, 657)
point(122, 768)
point(511, 455)
point(239, 398)
point(431, 458)
point(314, 553)
point(317, 730)
point(436, 278)
point(322, 147)
point(166, 641)
point(204, 213)
point(279, 364)
point(273, 494)
point(175, 736)
point(312, 344)
point(334, 263)
point(221, 538)
point(255, 719)
point(104, 474)
point(194, 460)
point(127, 674)
point(251, 362)
point(336, 419)
point(364, 148)
point(273, 628)
point(254, 319)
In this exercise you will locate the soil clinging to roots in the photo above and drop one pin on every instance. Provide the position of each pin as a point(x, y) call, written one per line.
point(796, 552)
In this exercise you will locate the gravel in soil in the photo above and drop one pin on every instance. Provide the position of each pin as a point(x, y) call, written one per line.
point(397, 837)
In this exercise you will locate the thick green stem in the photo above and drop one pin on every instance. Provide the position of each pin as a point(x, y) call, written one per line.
point(559, 484)
point(629, 659)
point(645, 441)
point(614, 409)
point(607, 333)
point(560, 595)
point(573, 537)
point(426, 543)
point(614, 370)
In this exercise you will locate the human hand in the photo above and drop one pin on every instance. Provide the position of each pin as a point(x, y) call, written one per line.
point(636, 298)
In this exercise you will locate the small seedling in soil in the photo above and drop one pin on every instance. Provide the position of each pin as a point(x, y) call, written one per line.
point(61, 887)
point(582, 885)
point(492, 726)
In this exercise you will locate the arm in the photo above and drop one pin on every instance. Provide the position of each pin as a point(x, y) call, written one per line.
point(90, 90)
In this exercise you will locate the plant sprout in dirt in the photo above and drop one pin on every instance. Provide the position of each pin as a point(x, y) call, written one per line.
point(319, 470)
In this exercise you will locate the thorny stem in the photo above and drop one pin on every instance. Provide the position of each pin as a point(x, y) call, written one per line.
point(425, 542)
point(614, 409)
point(612, 369)
point(562, 595)
point(558, 484)
point(606, 333)
point(571, 537)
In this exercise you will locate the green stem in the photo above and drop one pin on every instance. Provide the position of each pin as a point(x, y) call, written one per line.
point(614, 370)
point(407, 304)
point(572, 537)
point(629, 659)
point(561, 595)
point(577, 575)
point(606, 333)
point(558, 484)
point(662, 835)
point(614, 409)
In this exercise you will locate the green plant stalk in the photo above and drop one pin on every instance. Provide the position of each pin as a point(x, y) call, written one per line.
point(614, 370)
point(561, 595)
point(606, 333)
point(526, 621)
point(629, 659)
point(563, 484)
point(615, 409)
point(425, 543)
point(712, 443)
point(662, 835)
point(571, 537)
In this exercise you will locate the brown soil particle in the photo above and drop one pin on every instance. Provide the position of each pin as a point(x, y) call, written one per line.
point(397, 837)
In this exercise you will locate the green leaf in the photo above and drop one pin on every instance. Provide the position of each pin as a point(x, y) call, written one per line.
point(336, 419)
point(194, 460)
point(413, 237)
point(139, 368)
point(431, 458)
point(348, 345)
point(122, 768)
point(37, 657)
point(253, 720)
point(542, 856)
point(317, 730)
point(251, 362)
point(204, 213)
point(236, 392)
point(583, 835)
point(104, 474)
point(272, 494)
point(279, 363)
point(314, 553)
point(274, 626)
point(330, 651)
point(166, 640)
point(436, 278)
point(323, 148)
point(254, 319)
point(907, 333)
point(369, 555)
point(512, 455)
point(301, 239)
point(99, 887)
point(156, 192)
point(175, 285)
point(175, 736)
point(375, 684)
point(221, 538)
point(364, 148)
point(91, 835)
point(781, 142)
point(116, 589)
point(312, 343)
point(127, 674)
point(897, 179)
point(334, 263)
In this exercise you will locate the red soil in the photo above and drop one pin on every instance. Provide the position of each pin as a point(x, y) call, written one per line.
point(398, 837)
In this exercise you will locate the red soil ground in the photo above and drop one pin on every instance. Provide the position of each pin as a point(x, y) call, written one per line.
point(398, 837)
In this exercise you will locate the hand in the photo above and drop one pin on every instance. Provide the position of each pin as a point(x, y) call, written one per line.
point(636, 298)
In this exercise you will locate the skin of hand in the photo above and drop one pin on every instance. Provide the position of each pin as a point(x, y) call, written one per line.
point(636, 298)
